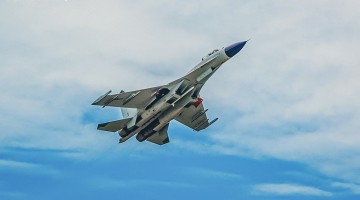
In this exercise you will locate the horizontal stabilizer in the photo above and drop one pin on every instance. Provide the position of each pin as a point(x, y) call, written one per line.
point(114, 125)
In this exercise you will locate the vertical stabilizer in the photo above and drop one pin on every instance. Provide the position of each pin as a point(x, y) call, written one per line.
point(128, 112)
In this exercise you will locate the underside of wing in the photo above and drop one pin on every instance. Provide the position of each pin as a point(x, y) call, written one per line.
point(161, 137)
point(135, 99)
point(195, 118)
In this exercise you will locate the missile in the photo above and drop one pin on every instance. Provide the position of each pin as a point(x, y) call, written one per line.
point(129, 98)
point(212, 122)
point(101, 98)
point(110, 100)
point(199, 115)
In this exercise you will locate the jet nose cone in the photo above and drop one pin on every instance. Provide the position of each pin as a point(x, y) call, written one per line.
point(233, 49)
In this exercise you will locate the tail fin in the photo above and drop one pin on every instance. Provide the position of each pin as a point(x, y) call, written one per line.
point(128, 112)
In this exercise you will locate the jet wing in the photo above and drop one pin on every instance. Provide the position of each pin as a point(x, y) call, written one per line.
point(195, 118)
point(161, 137)
point(135, 99)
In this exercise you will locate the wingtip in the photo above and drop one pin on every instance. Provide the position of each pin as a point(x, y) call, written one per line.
point(101, 98)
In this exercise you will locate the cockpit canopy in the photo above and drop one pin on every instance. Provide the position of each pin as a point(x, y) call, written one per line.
point(209, 54)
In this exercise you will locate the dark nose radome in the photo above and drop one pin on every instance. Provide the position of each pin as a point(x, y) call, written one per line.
point(233, 49)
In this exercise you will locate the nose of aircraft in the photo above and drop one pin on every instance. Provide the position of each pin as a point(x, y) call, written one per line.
point(233, 49)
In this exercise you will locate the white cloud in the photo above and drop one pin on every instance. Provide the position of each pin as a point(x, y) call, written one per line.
point(288, 189)
point(354, 188)
point(17, 164)
point(109, 183)
point(28, 167)
point(211, 173)
point(297, 90)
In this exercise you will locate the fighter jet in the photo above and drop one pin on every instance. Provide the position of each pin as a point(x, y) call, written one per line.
point(148, 112)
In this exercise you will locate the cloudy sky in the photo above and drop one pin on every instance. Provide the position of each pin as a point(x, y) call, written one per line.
point(288, 103)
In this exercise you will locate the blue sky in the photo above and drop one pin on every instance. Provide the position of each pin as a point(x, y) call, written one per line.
point(288, 103)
